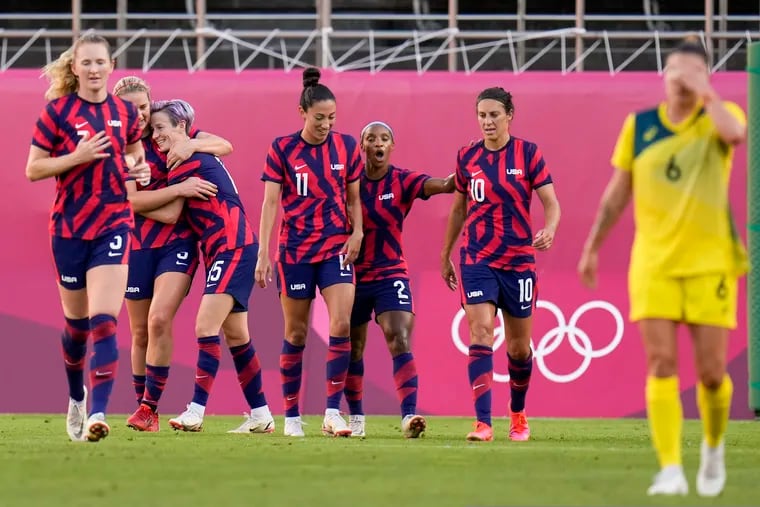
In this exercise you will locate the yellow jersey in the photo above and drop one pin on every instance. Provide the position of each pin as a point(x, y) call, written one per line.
point(680, 194)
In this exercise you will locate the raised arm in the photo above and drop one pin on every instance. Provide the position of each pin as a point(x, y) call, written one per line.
point(439, 185)
point(457, 217)
point(202, 143)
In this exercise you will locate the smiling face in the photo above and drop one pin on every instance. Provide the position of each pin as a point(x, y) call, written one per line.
point(92, 65)
point(377, 143)
point(318, 120)
point(142, 103)
point(165, 134)
point(494, 120)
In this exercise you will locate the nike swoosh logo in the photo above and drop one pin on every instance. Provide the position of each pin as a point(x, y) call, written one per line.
point(80, 125)
point(291, 398)
point(210, 285)
point(181, 263)
point(102, 373)
point(476, 173)
point(114, 254)
point(200, 377)
point(478, 386)
point(404, 302)
point(346, 274)
point(336, 383)
point(524, 307)
point(299, 167)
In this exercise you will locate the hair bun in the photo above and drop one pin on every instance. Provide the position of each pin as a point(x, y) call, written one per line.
point(311, 77)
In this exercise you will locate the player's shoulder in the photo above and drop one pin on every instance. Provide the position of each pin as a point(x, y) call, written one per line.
point(735, 110)
point(123, 103)
point(527, 146)
point(346, 140)
point(473, 146)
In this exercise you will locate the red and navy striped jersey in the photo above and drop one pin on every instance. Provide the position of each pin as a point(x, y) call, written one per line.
point(220, 222)
point(91, 199)
point(499, 186)
point(314, 178)
point(385, 204)
point(149, 233)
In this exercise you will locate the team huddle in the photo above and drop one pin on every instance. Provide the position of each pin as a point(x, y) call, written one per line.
point(143, 197)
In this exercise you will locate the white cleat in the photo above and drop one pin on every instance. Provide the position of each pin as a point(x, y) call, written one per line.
point(189, 420)
point(255, 424)
point(76, 417)
point(335, 426)
point(294, 427)
point(669, 481)
point(711, 477)
point(413, 426)
point(97, 427)
point(356, 425)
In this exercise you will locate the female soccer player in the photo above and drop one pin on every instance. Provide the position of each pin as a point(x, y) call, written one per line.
point(674, 159)
point(495, 180)
point(382, 277)
point(316, 174)
point(229, 252)
point(82, 138)
point(163, 259)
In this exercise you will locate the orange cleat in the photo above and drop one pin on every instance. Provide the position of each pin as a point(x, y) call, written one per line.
point(482, 433)
point(144, 419)
point(519, 431)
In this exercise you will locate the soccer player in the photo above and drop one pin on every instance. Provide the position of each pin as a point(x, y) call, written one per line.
point(382, 277)
point(674, 159)
point(229, 253)
point(495, 180)
point(316, 172)
point(82, 138)
point(163, 259)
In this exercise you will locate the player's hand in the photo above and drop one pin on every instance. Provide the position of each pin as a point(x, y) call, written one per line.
point(587, 268)
point(196, 188)
point(544, 239)
point(350, 250)
point(178, 153)
point(138, 169)
point(263, 273)
point(448, 273)
point(89, 149)
point(449, 184)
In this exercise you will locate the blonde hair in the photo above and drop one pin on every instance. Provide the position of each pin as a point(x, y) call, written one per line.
point(131, 84)
point(62, 79)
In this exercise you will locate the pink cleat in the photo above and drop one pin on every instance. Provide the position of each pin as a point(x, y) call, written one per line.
point(519, 431)
point(482, 433)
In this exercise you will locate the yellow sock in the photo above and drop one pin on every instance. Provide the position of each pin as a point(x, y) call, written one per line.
point(714, 407)
point(665, 416)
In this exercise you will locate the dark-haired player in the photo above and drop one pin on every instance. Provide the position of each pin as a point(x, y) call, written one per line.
point(382, 277)
point(315, 174)
point(495, 180)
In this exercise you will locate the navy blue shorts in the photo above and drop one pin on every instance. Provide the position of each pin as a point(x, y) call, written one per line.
point(393, 294)
point(73, 257)
point(232, 272)
point(512, 291)
point(300, 281)
point(147, 264)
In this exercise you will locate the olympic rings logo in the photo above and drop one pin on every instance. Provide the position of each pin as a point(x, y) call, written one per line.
point(578, 339)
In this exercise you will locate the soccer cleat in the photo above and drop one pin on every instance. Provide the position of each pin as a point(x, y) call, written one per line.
point(294, 427)
point(97, 427)
point(482, 433)
point(519, 431)
point(255, 425)
point(335, 426)
point(669, 481)
point(76, 418)
point(413, 426)
point(188, 420)
point(711, 477)
point(144, 419)
point(356, 425)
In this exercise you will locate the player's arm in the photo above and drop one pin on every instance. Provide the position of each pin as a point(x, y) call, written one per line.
point(41, 165)
point(263, 271)
point(162, 205)
point(545, 237)
point(354, 205)
point(439, 185)
point(145, 201)
point(457, 217)
point(202, 143)
point(729, 125)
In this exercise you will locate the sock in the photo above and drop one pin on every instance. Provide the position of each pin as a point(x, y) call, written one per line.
point(138, 382)
point(714, 408)
point(338, 358)
point(519, 381)
point(74, 344)
point(248, 369)
point(104, 361)
point(291, 366)
point(354, 390)
point(405, 378)
point(154, 385)
point(665, 415)
point(480, 370)
point(209, 351)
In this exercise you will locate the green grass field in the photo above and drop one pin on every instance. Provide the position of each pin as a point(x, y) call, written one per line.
point(568, 462)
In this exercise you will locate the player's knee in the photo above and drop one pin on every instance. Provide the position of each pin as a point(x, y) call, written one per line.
point(481, 334)
point(296, 335)
point(140, 336)
point(711, 376)
point(357, 350)
point(662, 364)
point(519, 349)
point(398, 341)
point(159, 324)
point(236, 337)
point(340, 326)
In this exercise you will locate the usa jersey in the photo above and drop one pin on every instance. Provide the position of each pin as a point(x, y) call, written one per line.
point(91, 198)
point(149, 233)
point(499, 185)
point(385, 204)
point(314, 178)
point(220, 222)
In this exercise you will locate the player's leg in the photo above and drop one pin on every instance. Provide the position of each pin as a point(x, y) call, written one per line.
point(297, 286)
point(479, 296)
point(106, 284)
point(711, 312)
point(336, 283)
point(70, 257)
point(142, 271)
point(361, 314)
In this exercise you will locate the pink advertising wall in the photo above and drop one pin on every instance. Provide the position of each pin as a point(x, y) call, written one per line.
point(589, 360)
